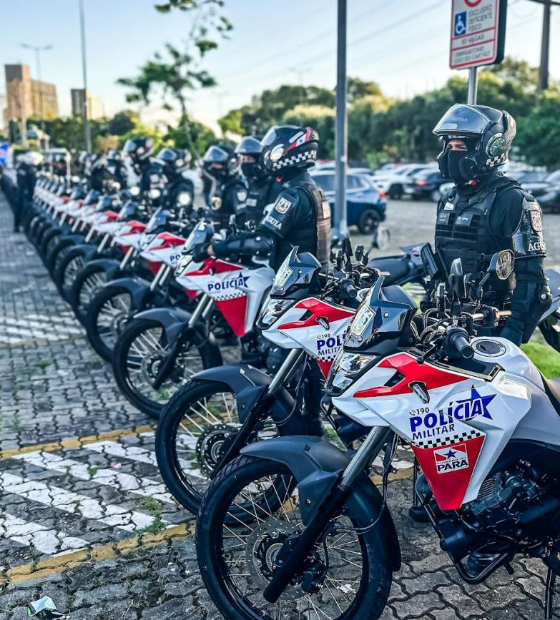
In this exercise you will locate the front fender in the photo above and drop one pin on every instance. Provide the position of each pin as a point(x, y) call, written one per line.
point(138, 288)
point(248, 383)
point(87, 250)
point(110, 266)
point(317, 464)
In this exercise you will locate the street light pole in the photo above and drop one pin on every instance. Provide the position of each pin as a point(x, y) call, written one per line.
point(545, 48)
point(38, 49)
point(341, 144)
point(84, 71)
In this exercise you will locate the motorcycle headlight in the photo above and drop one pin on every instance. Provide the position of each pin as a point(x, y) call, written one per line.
point(282, 276)
point(347, 367)
point(272, 309)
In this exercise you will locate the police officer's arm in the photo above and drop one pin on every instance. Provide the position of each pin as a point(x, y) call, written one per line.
point(278, 223)
point(517, 216)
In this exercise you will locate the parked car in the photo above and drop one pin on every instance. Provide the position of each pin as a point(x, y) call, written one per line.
point(392, 182)
point(426, 185)
point(528, 176)
point(546, 190)
point(366, 206)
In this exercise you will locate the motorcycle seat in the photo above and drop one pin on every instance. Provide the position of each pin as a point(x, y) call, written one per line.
point(552, 389)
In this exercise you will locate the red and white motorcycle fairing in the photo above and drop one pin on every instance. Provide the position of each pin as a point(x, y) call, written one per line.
point(237, 291)
point(164, 249)
point(316, 326)
point(459, 434)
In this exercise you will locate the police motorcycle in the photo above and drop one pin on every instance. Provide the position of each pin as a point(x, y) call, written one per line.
point(482, 421)
point(89, 222)
point(150, 252)
point(162, 347)
point(219, 411)
point(109, 249)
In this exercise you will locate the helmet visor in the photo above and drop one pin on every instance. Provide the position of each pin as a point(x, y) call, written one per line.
point(166, 155)
point(215, 155)
point(462, 120)
point(249, 146)
point(270, 137)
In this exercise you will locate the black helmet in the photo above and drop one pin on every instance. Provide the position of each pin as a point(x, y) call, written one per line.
point(219, 162)
point(288, 147)
point(138, 149)
point(249, 151)
point(487, 132)
point(174, 161)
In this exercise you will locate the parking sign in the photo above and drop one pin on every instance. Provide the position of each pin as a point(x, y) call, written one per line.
point(477, 33)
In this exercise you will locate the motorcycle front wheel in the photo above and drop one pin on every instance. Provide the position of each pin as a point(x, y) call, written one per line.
point(138, 354)
point(89, 281)
point(106, 317)
point(67, 270)
point(194, 429)
point(346, 577)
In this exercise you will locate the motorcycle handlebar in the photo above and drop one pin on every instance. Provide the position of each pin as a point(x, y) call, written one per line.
point(458, 340)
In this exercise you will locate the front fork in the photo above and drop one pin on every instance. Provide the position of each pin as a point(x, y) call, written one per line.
point(306, 541)
point(202, 310)
point(260, 408)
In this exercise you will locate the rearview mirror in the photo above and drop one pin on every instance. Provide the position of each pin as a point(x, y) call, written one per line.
point(457, 279)
point(501, 264)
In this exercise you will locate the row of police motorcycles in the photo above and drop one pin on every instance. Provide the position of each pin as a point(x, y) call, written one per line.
point(229, 356)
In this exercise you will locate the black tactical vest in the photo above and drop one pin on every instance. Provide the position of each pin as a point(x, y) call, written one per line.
point(463, 231)
point(315, 235)
point(257, 199)
point(222, 205)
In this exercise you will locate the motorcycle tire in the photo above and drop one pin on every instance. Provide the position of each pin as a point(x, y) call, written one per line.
point(89, 281)
point(225, 553)
point(210, 431)
point(68, 267)
point(137, 337)
point(53, 258)
point(103, 332)
point(48, 241)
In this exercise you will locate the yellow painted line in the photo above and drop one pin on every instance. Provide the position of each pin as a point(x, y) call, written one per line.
point(74, 442)
point(60, 564)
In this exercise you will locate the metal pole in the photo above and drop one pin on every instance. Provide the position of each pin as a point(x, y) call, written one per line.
point(545, 47)
point(341, 143)
point(473, 85)
point(84, 71)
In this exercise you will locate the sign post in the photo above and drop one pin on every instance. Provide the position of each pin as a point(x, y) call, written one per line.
point(478, 35)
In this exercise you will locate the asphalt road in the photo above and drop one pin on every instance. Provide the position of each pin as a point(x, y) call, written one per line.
point(413, 222)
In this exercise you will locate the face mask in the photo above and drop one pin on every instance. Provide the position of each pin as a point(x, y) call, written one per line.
point(454, 167)
point(248, 169)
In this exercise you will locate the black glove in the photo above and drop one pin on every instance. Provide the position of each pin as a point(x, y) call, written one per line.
point(200, 252)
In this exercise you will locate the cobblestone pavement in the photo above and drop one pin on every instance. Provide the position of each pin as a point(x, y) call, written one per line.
point(85, 517)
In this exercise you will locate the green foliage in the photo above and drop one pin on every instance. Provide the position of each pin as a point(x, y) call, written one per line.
point(123, 122)
point(381, 129)
point(544, 357)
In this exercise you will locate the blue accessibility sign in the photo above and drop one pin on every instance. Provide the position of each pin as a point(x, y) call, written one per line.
point(460, 24)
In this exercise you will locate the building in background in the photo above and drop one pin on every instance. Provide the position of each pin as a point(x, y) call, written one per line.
point(95, 107)
point(26, 97)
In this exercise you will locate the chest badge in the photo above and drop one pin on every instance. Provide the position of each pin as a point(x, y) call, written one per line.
point(216, 203)
point(449, 206)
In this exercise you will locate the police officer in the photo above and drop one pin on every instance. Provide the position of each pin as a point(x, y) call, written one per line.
point(300, 215)
point(140, 150)
point(178, 193)
point(262, 188)
point(487, 212)
point(228, 193)
point(26, 176)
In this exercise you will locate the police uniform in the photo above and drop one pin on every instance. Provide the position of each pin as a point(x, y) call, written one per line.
point(301, 216)
point(261, 193)
point(228, 199)
point(477, 220)
point(26, 177)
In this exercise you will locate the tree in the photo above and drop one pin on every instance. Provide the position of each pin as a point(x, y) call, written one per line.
point(123, 122)
point(321, 118)
point(177, 73)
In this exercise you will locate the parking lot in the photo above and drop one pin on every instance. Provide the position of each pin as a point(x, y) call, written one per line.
point(85, 517)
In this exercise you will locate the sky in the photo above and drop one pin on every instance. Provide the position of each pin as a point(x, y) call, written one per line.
point(401, 44)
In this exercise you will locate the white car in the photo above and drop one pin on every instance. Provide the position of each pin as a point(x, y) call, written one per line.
point(392, 182)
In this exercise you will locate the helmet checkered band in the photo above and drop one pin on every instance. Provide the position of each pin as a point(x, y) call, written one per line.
point(309, 155)
point(492, 162)
point(440, 442)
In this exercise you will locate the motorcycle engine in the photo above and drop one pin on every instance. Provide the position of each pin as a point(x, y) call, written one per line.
point(521, 503)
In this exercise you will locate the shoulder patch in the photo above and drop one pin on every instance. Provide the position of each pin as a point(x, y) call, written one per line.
point(216, 203)
point(283, 205)
point(241, 195)
point(536, 215)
